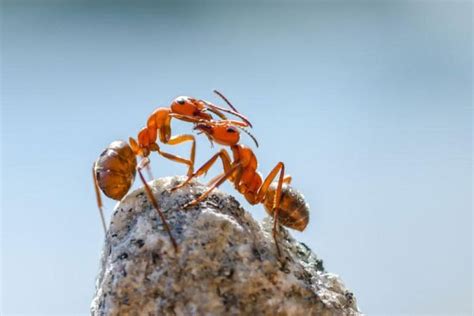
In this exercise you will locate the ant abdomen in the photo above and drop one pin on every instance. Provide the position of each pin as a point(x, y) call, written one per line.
point(115, 169)
point(293, 211)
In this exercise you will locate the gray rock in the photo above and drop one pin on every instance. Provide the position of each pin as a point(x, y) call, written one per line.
point(226, 264)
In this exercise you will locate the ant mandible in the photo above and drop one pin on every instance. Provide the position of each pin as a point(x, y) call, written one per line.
point(280, 200)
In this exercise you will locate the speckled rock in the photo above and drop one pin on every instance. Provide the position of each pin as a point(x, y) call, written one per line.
point(226, 264)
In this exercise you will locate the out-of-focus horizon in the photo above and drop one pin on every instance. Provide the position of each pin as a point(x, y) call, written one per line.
point(368, 104)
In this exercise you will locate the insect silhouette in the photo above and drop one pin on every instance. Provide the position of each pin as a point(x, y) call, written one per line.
point(280, 200)
point(115, 169)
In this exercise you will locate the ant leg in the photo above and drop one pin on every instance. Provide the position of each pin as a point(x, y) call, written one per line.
point(163, 118)
point(222, 179)
point(214, 180)
point(226, 165)
point(169, 156)
point(280, 167)
point(206, 166)
point(99, 199)
point(150, 195)
point(174, 158)
point(187, 118)
point(178, 139)
point(148, 171)
point(274, 232)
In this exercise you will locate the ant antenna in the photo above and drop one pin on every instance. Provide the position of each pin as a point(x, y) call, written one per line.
point(234, 110)
point(226, 100)
point(250, 134)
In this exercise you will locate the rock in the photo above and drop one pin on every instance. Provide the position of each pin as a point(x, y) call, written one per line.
point(226, 265)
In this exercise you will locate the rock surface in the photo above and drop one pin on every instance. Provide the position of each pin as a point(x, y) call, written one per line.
point(226, 264)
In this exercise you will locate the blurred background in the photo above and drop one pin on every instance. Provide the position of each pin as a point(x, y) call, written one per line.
point(367, 103)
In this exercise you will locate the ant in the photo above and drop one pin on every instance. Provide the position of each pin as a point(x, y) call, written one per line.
point(115, 169)
point(280, 200)
point(114, 173)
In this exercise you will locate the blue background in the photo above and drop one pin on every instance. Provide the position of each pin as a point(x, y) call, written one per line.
point(367, 103)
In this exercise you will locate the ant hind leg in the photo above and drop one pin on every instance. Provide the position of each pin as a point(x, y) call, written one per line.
point(151, 197)
point(99, 199)
point(280, 167)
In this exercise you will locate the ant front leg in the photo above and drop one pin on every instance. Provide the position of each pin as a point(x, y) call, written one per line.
point(172, 157)
point(178, 139)
point(151, 197)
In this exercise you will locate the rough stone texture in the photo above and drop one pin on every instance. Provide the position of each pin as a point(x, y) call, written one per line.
point(226, 265)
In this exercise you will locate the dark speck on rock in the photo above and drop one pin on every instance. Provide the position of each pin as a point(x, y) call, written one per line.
point(179, 230)
point(155, 257)
point(284, 268)
point(211, 203)
point(229, 299)
point(305, 246)
point(139, 242)
point(256, 254)
point(123, 256)
point(318, 265)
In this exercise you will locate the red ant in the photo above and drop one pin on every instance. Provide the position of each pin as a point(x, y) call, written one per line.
point(280, 200)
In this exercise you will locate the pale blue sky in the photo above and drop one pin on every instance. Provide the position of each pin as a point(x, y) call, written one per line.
point(368, 104)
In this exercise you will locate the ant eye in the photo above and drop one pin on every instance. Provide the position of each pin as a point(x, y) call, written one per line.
point(231, 130)
point(180, 101)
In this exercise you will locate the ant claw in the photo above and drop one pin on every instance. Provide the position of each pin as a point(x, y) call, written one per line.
point(179, 186)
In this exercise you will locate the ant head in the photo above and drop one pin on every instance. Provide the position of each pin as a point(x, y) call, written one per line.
point(189, 107)
point(220, 132)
